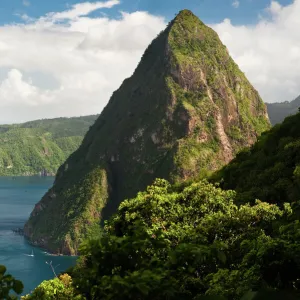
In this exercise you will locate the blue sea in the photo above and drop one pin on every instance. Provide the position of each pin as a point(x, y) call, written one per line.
point(18, 196)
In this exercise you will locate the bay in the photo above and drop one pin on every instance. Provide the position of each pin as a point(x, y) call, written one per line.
point(18, 195)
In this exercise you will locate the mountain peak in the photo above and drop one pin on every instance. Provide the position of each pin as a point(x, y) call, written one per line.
point(187, 110)
point(186, 18)
point(185, 13)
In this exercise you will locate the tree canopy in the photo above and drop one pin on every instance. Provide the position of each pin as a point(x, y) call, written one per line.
point(9, 284)
point(189, 241)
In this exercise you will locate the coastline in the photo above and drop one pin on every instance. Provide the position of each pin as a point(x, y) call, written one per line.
point(45, 250)
point(20, 231)
point(48, 174)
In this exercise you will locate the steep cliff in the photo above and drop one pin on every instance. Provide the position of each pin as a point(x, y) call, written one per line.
point(186, 110)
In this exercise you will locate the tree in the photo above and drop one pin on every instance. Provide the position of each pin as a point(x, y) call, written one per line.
point(56, 289)
point(9, 284)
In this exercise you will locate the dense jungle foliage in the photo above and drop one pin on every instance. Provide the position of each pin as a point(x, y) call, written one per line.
point(9, 286)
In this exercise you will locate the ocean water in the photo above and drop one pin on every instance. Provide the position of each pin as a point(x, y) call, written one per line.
point(17, 198)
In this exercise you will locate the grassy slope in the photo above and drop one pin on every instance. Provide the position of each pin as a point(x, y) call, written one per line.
point(40, 146)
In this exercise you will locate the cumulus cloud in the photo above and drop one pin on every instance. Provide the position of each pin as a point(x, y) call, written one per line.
point(235, 3)
point(50, 68)
point(268, 52)
point(26, 3)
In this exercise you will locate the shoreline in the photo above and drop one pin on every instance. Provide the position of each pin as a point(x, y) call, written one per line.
point(20, 231)
point(28, 175)
point(45, 250)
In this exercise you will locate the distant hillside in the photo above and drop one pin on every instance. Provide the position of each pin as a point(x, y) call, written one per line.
point(279, 111)
point(40, 147)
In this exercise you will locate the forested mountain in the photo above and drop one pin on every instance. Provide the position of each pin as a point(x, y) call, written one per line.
point(279, 111)
point(185, 112)
point(40, 147)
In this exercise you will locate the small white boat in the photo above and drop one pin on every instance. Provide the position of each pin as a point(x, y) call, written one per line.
point(30, 254)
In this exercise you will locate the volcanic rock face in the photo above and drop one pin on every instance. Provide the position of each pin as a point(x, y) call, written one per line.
point(186, 110)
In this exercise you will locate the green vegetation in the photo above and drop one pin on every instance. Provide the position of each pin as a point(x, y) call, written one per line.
point(63, 127)
point(83, 219)
point(57, 289)
point(40, 147)
point(270, 169)
point(279, 111)
point(9, 284)
point(185, 112)
point(182, 242)
point(187, 241)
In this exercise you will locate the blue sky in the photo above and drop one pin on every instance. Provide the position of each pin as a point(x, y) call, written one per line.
point(210, 11)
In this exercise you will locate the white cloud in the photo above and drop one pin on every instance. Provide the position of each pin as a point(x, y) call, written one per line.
point(235, 3)
point(274, 8)
point(82, 9)
point(26, 3)
point(50, 68)
point(268, 52)
point(14, 88)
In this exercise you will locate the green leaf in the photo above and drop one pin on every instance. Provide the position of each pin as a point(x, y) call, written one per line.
point(18, 286)
point(210, 298)
point(2, 270)
point(249, 295)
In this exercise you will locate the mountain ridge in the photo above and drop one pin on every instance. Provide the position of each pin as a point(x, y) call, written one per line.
point(280, 110)
point(186, 111)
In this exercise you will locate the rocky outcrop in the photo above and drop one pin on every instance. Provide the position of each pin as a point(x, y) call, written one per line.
point(186, 110)
point(45, 173)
